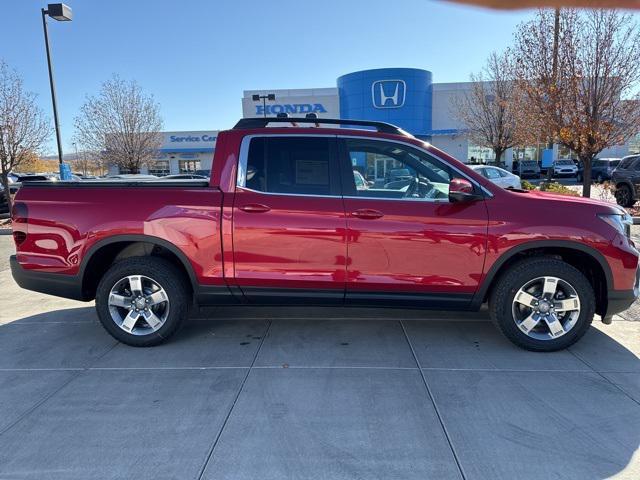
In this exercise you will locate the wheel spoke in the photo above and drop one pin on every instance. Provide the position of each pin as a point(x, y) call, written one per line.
point(529, 323)
point(130, 321)
point(567, 305)
point(119, 300)
point(152, 319)
point(525, 298)
point(135, 284)
point(550, 285)
point(555, 327)
point(157, 297)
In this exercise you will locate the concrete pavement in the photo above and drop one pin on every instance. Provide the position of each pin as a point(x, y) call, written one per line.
point(296, 393)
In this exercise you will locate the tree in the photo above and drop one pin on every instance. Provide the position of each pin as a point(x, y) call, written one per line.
point(122, 123)
point(24, 129)
point(588, 102)
point(489, 111)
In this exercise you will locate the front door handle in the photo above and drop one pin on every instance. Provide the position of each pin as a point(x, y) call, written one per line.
point(255, 208)
point(367, 214)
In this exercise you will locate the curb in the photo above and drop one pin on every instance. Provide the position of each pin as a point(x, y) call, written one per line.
point(5, 231)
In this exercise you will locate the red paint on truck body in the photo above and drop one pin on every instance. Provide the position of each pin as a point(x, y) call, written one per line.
point(316, 243)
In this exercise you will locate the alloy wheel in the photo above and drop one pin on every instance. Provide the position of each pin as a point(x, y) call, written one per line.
point(546, 308)
point(138, 305)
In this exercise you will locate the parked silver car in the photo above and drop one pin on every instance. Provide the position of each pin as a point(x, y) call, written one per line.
point(498, 175)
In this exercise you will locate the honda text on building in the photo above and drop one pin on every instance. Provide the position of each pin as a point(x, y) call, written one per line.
point(282, 220)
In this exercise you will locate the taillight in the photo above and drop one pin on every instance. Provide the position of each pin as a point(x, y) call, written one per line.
point(19, 220)
point(19, 237)
point(19, 213)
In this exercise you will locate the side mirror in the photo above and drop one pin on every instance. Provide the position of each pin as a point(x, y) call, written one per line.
point(461, 190)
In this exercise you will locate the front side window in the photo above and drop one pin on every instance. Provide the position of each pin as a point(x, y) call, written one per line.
point(626, 163)
point(290, 165)
point(412, 174)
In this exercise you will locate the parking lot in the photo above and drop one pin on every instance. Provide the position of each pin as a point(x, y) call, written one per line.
point(257, 393)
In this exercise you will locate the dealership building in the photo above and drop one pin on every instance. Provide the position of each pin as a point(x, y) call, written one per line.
point(406, 97)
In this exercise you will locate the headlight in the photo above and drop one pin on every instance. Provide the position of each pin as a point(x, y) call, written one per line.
point(620, 221)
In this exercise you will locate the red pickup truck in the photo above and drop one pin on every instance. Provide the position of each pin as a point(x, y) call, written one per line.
point(284, 220)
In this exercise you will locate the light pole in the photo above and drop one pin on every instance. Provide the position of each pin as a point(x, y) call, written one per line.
point(60, 12)
point(77, 159)
point(271, 97)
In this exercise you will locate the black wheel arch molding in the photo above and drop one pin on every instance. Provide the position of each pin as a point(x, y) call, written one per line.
point(135, 238)
point(533, 245)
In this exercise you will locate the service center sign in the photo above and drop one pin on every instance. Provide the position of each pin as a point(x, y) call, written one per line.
point(182, 140)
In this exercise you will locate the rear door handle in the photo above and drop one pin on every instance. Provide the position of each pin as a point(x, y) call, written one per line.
point(367, 214)
point(255, 208)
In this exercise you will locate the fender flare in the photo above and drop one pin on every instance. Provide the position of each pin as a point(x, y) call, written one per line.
point(138, 238)
point(523, 247)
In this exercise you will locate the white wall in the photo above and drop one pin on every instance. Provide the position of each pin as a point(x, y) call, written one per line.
point(444, 97)
point(295, 98)
point(456, 146)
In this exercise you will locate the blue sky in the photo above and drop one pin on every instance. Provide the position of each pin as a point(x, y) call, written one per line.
point(197, 56)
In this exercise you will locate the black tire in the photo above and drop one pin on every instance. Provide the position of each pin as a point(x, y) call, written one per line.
point(624, 196)
point(164, 274)
point(506, 287)
point(579, 178)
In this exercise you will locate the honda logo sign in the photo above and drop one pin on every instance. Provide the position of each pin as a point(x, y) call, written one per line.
point(388, 93)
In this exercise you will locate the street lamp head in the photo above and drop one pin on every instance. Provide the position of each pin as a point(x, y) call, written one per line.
point(271, 97)
point(60, 12)
point(255, 98)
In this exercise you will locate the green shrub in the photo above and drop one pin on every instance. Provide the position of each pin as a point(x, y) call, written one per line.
point(554, 187)
point(527, 185)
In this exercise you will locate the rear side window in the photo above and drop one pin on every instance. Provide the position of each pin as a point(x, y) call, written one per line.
point(492, 173)
point(291, 165)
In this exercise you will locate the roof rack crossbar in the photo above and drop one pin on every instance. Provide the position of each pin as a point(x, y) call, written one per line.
point(247, 123)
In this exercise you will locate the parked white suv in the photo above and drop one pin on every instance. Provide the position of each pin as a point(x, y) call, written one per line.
point(565, 167)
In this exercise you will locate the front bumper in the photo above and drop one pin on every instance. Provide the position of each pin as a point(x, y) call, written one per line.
point(58, 284)
point(619, 300)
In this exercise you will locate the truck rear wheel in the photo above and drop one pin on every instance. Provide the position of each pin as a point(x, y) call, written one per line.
point(142, 301)
point(542, 304)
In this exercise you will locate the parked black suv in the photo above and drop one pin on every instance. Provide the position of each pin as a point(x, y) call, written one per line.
point(627, 180)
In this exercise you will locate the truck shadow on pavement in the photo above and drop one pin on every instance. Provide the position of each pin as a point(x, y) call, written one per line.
point(507, 412)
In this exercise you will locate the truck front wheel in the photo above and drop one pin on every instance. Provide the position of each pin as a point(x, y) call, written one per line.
point(142, 301)
point(624, 196)
point(542, 304)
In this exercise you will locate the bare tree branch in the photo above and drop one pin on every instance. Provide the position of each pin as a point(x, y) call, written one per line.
point(24, 129)
point(592, 102)
point(121, 124)
point(489, 111)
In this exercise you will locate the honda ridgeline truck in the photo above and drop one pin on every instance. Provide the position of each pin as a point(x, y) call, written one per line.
point(283, 221)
